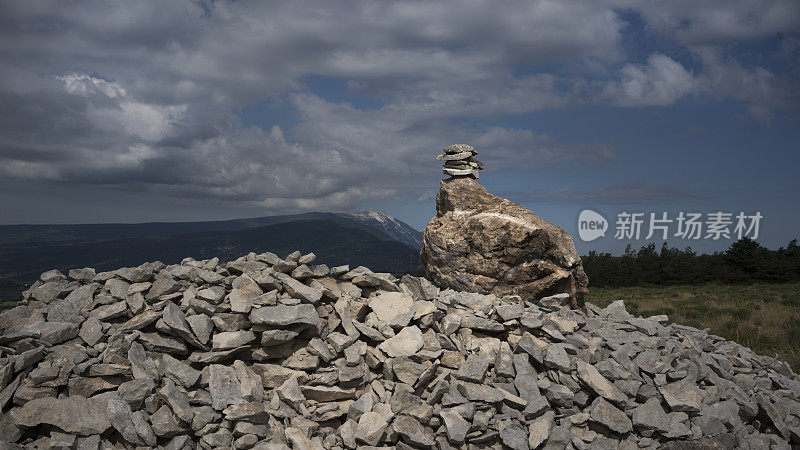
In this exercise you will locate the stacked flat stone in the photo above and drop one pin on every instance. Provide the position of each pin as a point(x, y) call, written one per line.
point(459, 161)
point(271, 353)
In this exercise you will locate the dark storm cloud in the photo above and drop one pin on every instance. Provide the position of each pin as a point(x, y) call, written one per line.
point(140, 96)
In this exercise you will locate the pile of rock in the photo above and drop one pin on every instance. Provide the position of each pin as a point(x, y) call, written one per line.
point(459, 161)
point(271, 353)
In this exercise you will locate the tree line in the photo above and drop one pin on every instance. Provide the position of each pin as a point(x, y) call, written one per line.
point(745, 261)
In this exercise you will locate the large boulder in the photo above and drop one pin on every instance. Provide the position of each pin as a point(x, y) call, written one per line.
point(479, 242)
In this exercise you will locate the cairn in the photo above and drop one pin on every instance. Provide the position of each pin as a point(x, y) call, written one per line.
point(270, 353)
point(459, 161)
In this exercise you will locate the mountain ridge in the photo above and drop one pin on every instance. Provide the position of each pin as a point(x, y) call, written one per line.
point(372, 237)
point(62, 233)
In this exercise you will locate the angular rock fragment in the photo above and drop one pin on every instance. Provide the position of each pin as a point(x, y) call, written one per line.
point(606, 414)
point(282, 316)
point(405, 343)
point(73, 414)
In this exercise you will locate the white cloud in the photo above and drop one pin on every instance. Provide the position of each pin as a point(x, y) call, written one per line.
point(714, 22)
point(662, 81)
point(142, 95)
point(760, 88)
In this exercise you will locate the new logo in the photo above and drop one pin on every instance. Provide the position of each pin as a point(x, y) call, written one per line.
point(591, 225)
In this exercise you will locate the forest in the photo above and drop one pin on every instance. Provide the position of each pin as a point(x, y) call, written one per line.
point(744, 262)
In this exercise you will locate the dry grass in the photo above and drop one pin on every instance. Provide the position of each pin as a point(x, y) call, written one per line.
point(764, 317)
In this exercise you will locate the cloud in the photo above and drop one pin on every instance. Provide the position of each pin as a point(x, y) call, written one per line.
point(621, 193)
point(763, 90)
point(141, 96)
point(717, 22)
point(427, 196)
point(662, 81)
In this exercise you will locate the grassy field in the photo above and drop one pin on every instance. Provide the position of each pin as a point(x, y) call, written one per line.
point(764, 317)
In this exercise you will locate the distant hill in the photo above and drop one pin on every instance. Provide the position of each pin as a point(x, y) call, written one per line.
point(395, 228)
point(28, 234)
point(357, 239)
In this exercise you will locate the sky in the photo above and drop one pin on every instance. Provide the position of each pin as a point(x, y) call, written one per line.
point(193, 110)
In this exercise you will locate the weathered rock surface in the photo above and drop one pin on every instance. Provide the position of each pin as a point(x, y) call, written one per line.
point(74, 414)
point(208, 362)
point(479, 242)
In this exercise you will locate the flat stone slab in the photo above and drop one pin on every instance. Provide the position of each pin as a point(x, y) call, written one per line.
point(73, 414)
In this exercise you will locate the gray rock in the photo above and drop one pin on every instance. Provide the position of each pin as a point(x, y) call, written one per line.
point(327, 393)
point(157, 342)
point(598, 383)
point(651, 416)
point(559, 395)
point(70, 308)
point(163, 285)
point(299, 439)
point(91, 331)
point(143, 429)
point(455, 425)
point(539, 429)
point(299, 290)
point(8, 431)
point(164, 424)
point(113, 311)
point(179, 371)
point(405, 343)
point(213, 294)
point(250, 384)
point(244, 291)
point(201, 326)
point(117, 288)
point(140, 321)
point(251, 411)
point(135, 302)
point(50, 332)
point(62, 439)
point(612, 418)
point(515, 437)
point(290, 393)
point(73, 414)
point(219, 439)
point(361, 406)
point(136, 391)
point(135, 274)
point(177, 401)
point(370, 429)
point(480, 392)
point(232, 339)
point(480, 323)
point(681, 396)
point(282, 316)
point(394, 308)
point(420, 288)
point(28, 358)
point(412, 432)
point(119, 414)
point(175, 319)
point(557, 358)
point(224, 387)
point(474, 368)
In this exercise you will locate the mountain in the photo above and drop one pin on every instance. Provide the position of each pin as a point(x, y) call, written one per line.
point(395, 228)
point(27, 234)
point(372, 238)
